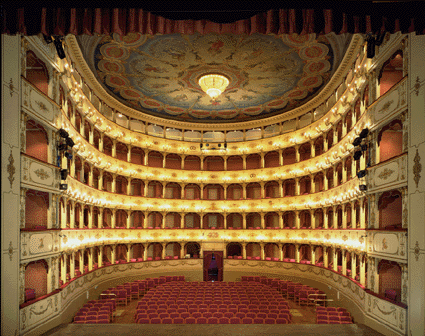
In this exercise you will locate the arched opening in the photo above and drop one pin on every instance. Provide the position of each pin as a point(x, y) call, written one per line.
point(366, 97)
point(318, 146)
point(253, 190)
point(213, 192)
point(172, 220)
point(253, 251)
point(173, 191)
point(154, 251)
point(192, 162)
point(37, 73)
point(338, 170)
point(330, 215)
point(339, 130)
point(272, 189)
point(390, 207)
point(137, 156)
point(154, 189)
point(107, 182)
point(172, 251)
point(107, 145)
point(36, 279)
point(288, 156)
point(95, 217)
point(36, 209)
point(271, 159)
point(305, 219)
point(390, 280)
point(213, 221)
point(319, 256)
point(234, 251)
point(347, 213)
point(391, 72)
point(213, 163)
point(348, 164)
point(173, 161)
point(137, 187)
point(271, 252)
point(357, 109)
point(137, 219)
point(330, 138)
point(138, 252)
point(86, 132)
point(107, 255)
point(192, 250)
point(155, 159)
point(96, 138)
point(37, 141)
point(271, 220)
point(234, 221)
point(289, 220)
point(121, 151)
point(192, 191)
point(107, 218)
point(121, 185)
point(234, 163)
point(154, 220)
point(339, 216)
point(253, 221)
point(289, 252)
point(192, 221)
point(86, 173)
point(348, 120)
point(289, 188)
point(305, 185)
point(253, 161)
point(319, 218)
point(121, 219)
point(86, 215)
point(319, 182)
point(96, 176)
point(305, 151)
point(330, 177)
point(305, 254)
point(78, 169)
point(78, 121)
point(390, 140)
point(234, 192)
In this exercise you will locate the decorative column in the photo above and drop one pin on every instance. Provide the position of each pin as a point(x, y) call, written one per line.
point(404, 212)
point(90, 254)
point(114, 183)
point(72, 265)
point(145, 159)
point(325, 219)
point(113, 218)
point(90, 217)
point(72, 214)
point(280, 214)
point(335, 259)
point(363, 269)
point(129, 153)
point(201, 251)
point(113, 254)
point(22, 206)
point(182, 161)
point(280, 157)
point(312, 149)
point(243, 220)
point(344, 262)
point(100, 218)
point(353, 265)
point(325, 181)
point(114, 148)
point(244, 191)
point(128, 222)
point(22, 281)
point(182, 251)
point(262, 219)
point(297, 153)
point(344, 172)
point(129, 186)
point(344, 217)
point(128, 252)
point(280, 251)
point(297, 186)
point(145, 220)
point(297, 253)
point(262, 252)
point(225, 191)
point(182, 186)
point(280, 188)
point(404, 283)
point(335, 135)
point(353, 215)
point(312, 219)
point(362, 213)
point(100, 257)
point(325, 144)
point(244, 160)
point(225, 220)
point(297, 219)
point(202, 162)
point(335, 217)
point(164, 156)
point(146, 188)
point(325, 257)
point(81, 261)
point(145, 252)
point(313, 254)
point(263, 164)
point(182, 214)
point(81, 213)
point(244, 251)
point(405, 120)
point(63, 261)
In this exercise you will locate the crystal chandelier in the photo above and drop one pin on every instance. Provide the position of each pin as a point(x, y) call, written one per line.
point(213, 84)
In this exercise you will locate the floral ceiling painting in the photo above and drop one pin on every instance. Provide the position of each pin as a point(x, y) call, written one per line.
point(158, 75)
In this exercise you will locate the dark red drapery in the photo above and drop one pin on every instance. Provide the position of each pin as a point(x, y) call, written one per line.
point(92, 21)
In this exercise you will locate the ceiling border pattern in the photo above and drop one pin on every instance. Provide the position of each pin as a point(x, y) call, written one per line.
point(345, 65)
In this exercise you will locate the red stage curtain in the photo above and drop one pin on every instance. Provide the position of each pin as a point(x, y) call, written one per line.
point(92, 21)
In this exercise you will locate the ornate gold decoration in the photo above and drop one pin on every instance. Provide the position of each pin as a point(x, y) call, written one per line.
point(12, 87)
point(384, 244)
point(385, 174)
point(11, 169)
point(10, 250)
point(80, 237)
point(41, 243)
point(49, 304)
point(344, 237)
point(417, 250)
point(252, 175)
point(417, 86)
point(42, 106)
point(417, 168)
point(192, 148)
point(42, 174)
point(386, 106)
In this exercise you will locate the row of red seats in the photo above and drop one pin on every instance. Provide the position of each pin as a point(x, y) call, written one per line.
point(96, 310)
point(333, 315)
point(212, 320)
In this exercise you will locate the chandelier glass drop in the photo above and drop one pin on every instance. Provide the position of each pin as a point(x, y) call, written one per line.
point(213, 84)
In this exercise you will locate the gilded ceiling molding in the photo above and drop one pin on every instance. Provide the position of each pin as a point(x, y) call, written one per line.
point(346, 64)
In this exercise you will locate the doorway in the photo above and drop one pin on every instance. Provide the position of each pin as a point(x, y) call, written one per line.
point(213, 265)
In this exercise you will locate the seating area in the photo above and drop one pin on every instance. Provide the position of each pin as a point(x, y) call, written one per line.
point(96, 311)
point(213, 303)
point(333, 315)
point(300, 294)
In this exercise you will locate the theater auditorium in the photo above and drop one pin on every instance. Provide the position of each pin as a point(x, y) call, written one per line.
point(213, 170)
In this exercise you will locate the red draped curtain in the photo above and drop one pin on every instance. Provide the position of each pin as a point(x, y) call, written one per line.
point(92, 21)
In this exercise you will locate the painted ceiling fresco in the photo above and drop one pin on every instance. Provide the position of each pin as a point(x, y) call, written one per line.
point(159, 74)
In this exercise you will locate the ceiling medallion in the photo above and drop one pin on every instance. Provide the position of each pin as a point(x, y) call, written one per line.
point(213, 84)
